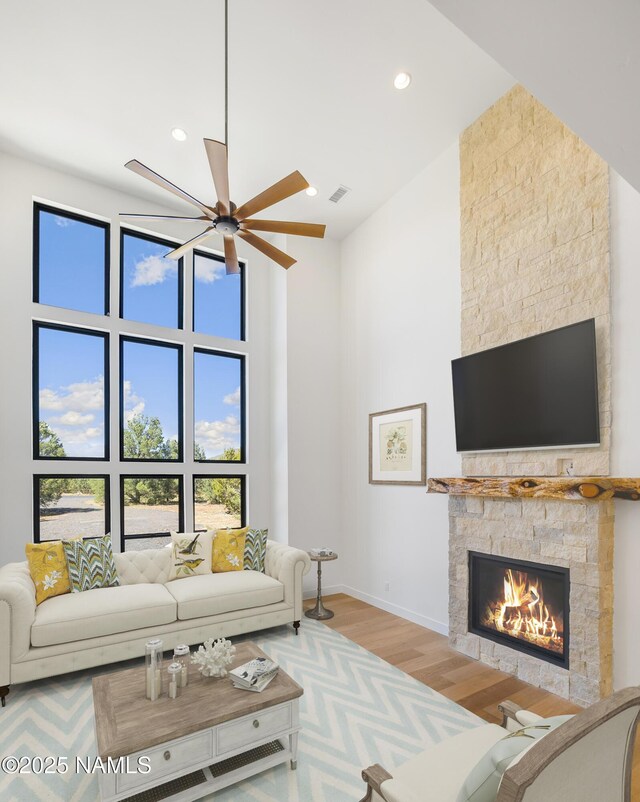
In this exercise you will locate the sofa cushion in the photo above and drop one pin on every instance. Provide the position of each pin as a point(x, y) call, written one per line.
point(103, 611)
point(441, 768)
point(199, 596)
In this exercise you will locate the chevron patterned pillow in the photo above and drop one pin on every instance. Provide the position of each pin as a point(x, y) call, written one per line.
point(90, 563)
point(255, 549)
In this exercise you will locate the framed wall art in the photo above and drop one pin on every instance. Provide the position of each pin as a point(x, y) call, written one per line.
point(398, 446)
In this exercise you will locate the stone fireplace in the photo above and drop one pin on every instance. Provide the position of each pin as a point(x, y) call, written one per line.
point(522, 604)
point(546, 540)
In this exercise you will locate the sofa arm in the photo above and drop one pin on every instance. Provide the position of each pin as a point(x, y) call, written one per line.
point(17, 613)
point(288, 565)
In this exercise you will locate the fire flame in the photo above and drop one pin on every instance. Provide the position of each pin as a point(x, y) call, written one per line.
point(523, 614)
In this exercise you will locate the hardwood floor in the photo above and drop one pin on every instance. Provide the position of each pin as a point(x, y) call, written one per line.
point(427, 656)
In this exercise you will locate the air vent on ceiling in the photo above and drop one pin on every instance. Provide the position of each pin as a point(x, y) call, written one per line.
point(339, 194)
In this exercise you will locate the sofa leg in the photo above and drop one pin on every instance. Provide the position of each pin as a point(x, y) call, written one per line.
point(4, 690)
point(296, 626)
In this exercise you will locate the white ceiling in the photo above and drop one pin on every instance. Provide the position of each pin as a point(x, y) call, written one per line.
point(85, 87)
point(579, 57)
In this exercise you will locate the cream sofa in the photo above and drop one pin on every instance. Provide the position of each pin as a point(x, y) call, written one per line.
point(82, 630)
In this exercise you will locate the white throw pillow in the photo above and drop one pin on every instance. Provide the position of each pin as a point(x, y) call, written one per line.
point(190, 554)
point(484, 779)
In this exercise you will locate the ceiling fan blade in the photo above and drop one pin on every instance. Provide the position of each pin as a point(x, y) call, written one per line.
point(282, 258)
point(230, 255)
point(274, 194)
point(217, 155)
point(158, 180)
point(281, 227)
point(163, 217)
point(178, 252)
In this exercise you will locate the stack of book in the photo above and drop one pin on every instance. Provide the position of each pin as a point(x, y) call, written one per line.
point(254, 675)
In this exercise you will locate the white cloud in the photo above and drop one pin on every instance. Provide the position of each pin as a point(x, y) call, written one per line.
point(76, 404)
point(208, 270)
point(63, 222)
point(215, 436)
point(233, 399)
point(73, 418)
point(77, 397)
point(133, 403)
point(153, 270)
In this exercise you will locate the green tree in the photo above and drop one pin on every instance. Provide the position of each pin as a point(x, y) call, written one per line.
point(50, 445)
point(144, 439)
point(220, 490)
point(150, 490)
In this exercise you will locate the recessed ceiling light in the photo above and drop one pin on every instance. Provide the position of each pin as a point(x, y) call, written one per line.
point(179, 133)
point(402, 80)
point(311, 192)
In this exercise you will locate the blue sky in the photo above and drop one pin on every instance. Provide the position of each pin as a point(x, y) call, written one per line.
point(216, 307)
point(150, 283)
point(150, 374)
point(71, 263)
point(217, 402)
point(72, 365)
point(72, 390)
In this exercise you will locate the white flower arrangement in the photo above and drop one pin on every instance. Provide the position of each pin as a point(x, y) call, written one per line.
point(213, 657)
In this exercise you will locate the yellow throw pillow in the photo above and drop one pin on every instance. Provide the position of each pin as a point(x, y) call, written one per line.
point(228, 550)
point(48, 569)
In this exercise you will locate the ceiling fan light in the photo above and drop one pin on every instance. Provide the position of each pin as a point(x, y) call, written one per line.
point(402, 80)
point(179, 134)
point(311, 192)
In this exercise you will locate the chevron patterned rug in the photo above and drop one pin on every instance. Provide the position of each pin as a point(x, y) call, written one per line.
point(356, 710)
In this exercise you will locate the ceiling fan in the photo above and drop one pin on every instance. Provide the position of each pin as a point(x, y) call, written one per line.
point(225, 217)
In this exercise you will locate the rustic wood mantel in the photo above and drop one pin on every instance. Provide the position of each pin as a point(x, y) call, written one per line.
point(563, 488)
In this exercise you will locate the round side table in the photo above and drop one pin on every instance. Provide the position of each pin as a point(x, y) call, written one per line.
point(320, 612)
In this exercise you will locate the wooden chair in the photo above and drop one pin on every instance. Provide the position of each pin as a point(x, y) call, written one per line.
point(586, 759)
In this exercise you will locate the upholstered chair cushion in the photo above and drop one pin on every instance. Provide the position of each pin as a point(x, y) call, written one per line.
point(483, 781)
point(215, 594)
point(190, 554)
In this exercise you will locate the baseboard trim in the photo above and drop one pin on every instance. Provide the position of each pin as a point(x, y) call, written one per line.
point(396, 609)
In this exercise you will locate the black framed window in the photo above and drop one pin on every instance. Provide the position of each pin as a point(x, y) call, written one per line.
point(70, 260)
point(219, 406)
point(150, 400)
point(151, 507)
point(218, 299)
point(70, 505)
point(151, 286)
point(219, 502)
point(70, 393)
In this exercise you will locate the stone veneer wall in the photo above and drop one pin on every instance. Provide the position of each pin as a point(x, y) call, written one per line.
point(575, 535)
point(534, 205)
point(535, 256)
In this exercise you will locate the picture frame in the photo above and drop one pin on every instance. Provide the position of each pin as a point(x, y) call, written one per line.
point(398, 446)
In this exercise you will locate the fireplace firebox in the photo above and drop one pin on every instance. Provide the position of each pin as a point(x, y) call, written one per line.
point(520, 604)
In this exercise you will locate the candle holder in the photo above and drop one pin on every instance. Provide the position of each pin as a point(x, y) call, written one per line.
point(153, 669)
point(175, 673)
point(181, 654)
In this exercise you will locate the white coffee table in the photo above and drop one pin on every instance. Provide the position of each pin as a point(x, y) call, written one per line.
point(212, 736)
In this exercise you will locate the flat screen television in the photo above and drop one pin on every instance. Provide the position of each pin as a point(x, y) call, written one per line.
point(540, 392)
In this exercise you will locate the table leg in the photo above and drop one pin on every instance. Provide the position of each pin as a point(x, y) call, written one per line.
point(319, 612)
point(293, 746)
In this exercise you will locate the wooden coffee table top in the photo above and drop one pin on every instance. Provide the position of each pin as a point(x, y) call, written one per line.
point(128, 722)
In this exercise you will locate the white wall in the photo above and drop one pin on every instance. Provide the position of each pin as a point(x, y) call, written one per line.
point(315, 409)
point(21, 180)
point(625, 403)
point(400, 330)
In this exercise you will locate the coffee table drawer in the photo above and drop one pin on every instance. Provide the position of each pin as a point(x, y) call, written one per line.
point(173, 757)
point(250, 730)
